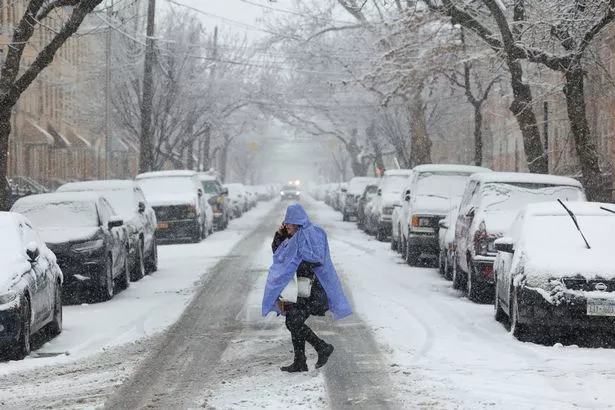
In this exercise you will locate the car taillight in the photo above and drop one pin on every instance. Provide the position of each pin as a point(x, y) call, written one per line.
point(191, 210)
point(487, 271)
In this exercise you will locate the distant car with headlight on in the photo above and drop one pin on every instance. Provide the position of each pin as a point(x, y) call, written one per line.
point(30, 287)
point(549, 276)
point(87, 237)
point(290, 193)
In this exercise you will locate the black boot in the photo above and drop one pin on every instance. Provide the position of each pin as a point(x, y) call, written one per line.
point(295, 367)
point(324, 351)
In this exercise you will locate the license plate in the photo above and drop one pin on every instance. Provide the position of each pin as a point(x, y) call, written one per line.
point(600, 307)
point(163, 225)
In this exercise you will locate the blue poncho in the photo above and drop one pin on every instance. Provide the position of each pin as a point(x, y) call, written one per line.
point(309, 244)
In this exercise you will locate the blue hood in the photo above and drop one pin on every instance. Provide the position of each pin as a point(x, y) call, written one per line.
point(309, 244)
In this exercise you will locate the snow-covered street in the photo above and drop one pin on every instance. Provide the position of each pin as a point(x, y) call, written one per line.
point(413, 342)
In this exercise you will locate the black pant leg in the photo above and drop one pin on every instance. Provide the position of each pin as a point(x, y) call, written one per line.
point(295, 323)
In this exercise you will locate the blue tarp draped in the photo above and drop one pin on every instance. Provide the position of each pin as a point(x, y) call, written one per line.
point(309, 244)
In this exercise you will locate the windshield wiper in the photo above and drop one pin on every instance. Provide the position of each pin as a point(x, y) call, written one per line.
point(574, 219)
point(436, 196)
point(607, 209)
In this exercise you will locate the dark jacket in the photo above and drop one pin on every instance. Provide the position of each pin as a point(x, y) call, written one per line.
point(317, 303)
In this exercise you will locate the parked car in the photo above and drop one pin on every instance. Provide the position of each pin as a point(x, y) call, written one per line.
point(217, 197)
point(87, 236)
point(356, 186)
point(446, 242)
point(488, 206)
point(550, 276)
point(127, 198)
point(239, 200)
point(179, 203)
point(433, 190)
point(369, 193)
point(389, 195)
point(290, 193)
point(30, 287)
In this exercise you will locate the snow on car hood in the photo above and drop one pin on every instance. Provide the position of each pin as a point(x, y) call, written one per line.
point(59, 235)
point(165, 200)
point(431, 205)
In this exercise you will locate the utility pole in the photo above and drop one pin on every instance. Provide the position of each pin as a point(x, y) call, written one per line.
point(545, 111)
point(108, 141)
point(207, 160)
point(146, 158)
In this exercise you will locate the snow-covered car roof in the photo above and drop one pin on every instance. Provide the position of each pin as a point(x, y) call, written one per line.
point(398, 172)
point(357, 185)
point(468, 169)
point(206, 177)
point(523, 177)
point(164, 174)
point(103, 185)
point(54, 197)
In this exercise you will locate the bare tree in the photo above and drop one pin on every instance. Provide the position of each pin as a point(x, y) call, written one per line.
point(13, 80)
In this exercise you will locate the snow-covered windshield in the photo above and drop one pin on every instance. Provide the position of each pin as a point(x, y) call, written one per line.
point(73, 214)
point(371, 189)
point(512, 196)
point(10, 243)
point(357, 186)
point(558, 232)
point(168, 185)
point(393, 184)
point(450, 185)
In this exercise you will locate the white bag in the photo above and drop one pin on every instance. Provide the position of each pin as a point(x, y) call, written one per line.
point(304, 287)
point(290, 292)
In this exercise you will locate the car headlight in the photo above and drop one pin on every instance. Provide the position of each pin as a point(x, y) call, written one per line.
point(88, 246)
point(7, 297)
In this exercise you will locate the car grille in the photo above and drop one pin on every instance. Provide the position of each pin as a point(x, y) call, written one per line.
point(589, 285)
point(171, 213)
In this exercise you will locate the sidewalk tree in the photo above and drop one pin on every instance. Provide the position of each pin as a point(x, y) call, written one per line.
point(16, 76)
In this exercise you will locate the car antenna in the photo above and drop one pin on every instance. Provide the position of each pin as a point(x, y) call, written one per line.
point(574, 219)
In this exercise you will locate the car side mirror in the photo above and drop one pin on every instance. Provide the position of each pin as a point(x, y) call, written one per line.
point(141, 207)
point(224, 191)
point(504, 245)
point(379, 191)
point(344, 190)
point(407, 197)
point(470, 213)
point(115, 222)
point(443, 223)
point(32, 251)
point(200, 192)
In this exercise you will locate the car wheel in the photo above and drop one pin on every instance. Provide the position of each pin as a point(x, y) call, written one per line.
point(448, 271)
point(499, 314)
point(412, 256)
point(124, 278)
point(139, 266)
point(22, 346)
point(344, 217)
point(198, 234)
point(393, 243)
point(380, 235)
point(152, 260)
point(520, 331)
point(106, 291)
point(54, 328)
point(441, 259)
point(471, 285)
point(457, 277)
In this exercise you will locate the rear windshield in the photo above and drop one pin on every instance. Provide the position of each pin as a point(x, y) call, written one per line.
point(210, 187)
point(168, 185)
point(290, 188)
point(62, 214)
point(450, 185)
point(512, 196)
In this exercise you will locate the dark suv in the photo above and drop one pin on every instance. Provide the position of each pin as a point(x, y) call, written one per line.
point(290, 192)
point(217, 196)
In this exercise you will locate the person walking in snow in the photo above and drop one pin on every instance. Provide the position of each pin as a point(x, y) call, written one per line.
point(301, 247)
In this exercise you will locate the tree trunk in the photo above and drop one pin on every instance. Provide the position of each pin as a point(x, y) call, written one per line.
point(584, 141)
point(478, 135)
point(5, 131)
point(521, 107)
point(421, 145)
point(207, 149)
point(224, 157)
point(359, 168)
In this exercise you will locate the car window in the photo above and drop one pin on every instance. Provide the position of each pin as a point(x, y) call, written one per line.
point(29, 234)
point(467, 196)
point(140, 195)
point(105, 211)
point(64, 213)
point(211, 187)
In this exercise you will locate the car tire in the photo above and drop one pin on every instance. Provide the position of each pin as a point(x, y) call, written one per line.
point(124, 278)
point(448, 271)
point(106, 289)
point(380, 235)
point(498, 312)
point(345, 217)
point(472, 288)
point(22, 347)
point(457, 276)
point(198, 235)
point(412, 256)
point(54, 328)
point(394, 245)
point(441, 259)
point(139, 266)
point(520, 331)
point(152, 260)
